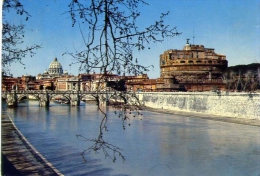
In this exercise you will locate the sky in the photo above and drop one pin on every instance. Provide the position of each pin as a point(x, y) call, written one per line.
point(230, 27)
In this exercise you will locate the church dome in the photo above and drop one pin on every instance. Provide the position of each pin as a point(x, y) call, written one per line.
point(55, 68)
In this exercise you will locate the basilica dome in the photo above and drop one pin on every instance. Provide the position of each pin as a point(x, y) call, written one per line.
point(55, 68)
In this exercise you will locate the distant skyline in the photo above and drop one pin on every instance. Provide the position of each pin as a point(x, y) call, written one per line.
point(230, 27)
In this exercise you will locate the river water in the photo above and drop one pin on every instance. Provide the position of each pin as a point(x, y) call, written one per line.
point(153, 144)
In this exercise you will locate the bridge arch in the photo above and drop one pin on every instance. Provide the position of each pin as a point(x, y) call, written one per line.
point(88, 97)
point(21, 96)
point(53, 96)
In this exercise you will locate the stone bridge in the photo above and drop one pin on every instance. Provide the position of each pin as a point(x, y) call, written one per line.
point(44, 97)
point(74, 97)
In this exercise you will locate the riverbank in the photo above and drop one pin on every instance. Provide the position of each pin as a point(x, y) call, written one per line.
point(19, 157)
point(208, 116)
point(237, 105)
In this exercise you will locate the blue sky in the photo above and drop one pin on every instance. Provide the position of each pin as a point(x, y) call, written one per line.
point(231, 27)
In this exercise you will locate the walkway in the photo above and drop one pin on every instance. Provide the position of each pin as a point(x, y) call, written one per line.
point(19, 157)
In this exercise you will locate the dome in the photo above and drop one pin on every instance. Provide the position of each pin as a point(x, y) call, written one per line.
point(55, 68)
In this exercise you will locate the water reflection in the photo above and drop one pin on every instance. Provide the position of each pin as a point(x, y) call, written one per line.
point(156, 144)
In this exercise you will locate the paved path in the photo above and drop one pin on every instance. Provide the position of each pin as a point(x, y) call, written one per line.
point(19, 157)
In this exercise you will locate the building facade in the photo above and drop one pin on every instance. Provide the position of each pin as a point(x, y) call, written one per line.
point(68, 83)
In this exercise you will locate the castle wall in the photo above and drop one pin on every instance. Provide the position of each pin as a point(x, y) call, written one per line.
point(238, 105)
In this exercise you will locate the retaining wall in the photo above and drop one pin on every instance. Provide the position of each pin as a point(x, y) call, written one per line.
point(238, 105)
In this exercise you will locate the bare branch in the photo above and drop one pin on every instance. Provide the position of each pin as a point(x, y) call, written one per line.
point(113, 36)
point(12, 37)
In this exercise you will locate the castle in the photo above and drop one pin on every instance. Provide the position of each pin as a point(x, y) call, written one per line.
point(194, 68)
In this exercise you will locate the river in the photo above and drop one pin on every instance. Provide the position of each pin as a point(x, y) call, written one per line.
point(153, 144)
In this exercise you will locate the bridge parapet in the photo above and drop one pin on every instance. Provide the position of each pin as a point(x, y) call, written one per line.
point(44, 96)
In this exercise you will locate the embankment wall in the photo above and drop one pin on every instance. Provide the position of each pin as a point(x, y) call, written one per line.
point(238, 105)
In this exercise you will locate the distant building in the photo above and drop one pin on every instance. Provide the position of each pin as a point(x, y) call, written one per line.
point(27, 82)
point(99, 81)
point(68, 83)
point(8, 82)
point(55, 70)
point(140, 83)
point(194, 68)
point(85, 82)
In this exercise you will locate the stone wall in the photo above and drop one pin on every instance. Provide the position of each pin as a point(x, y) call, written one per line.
point(238, 105)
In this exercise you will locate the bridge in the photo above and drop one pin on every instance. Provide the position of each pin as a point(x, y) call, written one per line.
point(44, 97)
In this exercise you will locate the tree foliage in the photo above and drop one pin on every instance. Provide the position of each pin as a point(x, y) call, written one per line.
point(12, 36)
point(112, 38)
point(242, 77)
